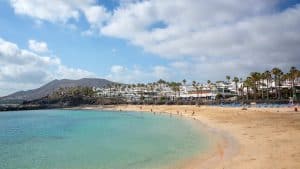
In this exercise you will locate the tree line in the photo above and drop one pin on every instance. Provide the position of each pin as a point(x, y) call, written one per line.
point(265, 86)
point(269, 84)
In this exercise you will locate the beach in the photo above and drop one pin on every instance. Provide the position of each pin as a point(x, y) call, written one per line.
point(260, 138)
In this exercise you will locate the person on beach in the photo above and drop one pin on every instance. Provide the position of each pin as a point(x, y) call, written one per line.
point(291, 101)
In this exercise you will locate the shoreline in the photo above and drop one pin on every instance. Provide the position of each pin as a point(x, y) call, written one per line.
point(266, 138)
point(222, 146)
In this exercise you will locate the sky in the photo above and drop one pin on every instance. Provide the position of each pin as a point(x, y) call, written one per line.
point(134, 41)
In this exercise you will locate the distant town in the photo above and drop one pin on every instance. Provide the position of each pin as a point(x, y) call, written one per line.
point(269, 87)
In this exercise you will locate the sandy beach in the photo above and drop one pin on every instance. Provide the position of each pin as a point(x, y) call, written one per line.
point(260, 138)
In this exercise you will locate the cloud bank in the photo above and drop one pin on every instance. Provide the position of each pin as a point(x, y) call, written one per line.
point(200, 39)
point(24, 69)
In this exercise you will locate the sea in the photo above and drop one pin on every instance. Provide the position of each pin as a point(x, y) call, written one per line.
point(90, 139)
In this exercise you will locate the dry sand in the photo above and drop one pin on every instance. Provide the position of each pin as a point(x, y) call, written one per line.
point(263, 138)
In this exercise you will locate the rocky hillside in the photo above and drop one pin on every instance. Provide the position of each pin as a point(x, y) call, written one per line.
point(54, 85)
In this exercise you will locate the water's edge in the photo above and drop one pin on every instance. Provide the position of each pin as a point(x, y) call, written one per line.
point(31, 130)
point(223, 146)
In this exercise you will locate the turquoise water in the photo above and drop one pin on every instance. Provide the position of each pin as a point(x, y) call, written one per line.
point(86, 139)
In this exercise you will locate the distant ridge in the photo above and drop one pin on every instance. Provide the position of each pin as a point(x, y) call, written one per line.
point(54, 85)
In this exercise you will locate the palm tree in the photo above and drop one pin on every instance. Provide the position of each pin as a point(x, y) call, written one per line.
point(248, 84)
point(201, 89)
point(175, 87)
point(208, 82)
point(262, 84)
point(287, 77)
point(241, 88)
point(294, 74)
point(236, 80)
point(268, 77)
point(195, 85)
point(184, 82)
point(160, 82)
point(255, 77)
point(228, 78)
point(277, 78)
point(151, 87)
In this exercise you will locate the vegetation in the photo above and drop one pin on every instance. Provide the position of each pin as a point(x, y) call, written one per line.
point(175, 87)
point(268, 86)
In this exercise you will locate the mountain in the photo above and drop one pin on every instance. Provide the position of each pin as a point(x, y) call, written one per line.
point(54, 85)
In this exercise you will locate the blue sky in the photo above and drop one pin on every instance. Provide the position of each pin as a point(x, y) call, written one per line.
point(90, 53)
point(143, 41)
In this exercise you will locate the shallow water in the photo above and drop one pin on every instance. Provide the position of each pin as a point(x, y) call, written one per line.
point(86, 139)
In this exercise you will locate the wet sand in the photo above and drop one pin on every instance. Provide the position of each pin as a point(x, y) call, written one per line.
point(256, 138)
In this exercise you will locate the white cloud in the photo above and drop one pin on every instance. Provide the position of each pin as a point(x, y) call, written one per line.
point(201, 28)
point(212, 37)
point(96, 15)
point(40, 47)
point(238, 36)
point(61, 11)
point(53, 11)
point(22, 69)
